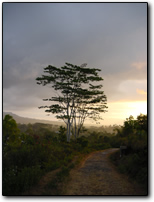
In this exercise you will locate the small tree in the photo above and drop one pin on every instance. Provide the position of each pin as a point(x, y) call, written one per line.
point(11, 133)
point(77, 96)
point(142, 122)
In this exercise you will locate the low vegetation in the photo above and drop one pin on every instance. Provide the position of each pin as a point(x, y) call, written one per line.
point(31, 151)
point(134, 162)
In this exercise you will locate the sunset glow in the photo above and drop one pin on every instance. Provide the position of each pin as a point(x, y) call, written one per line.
point(119, 111)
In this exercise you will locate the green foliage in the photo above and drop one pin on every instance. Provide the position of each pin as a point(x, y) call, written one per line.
point(15, 182)
point(37, 149)
point(82, 141)
point(79, 97)
point(54, 186)
point(133, 135)
point(10, 132)
point(62, 134)
point(135, 165)
point(63, 173)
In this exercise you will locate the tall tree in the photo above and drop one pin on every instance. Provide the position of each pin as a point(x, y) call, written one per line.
point(78, 96)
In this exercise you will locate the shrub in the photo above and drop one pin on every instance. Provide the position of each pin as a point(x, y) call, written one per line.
point(63, 173)
point(82, 141)
point(16, 182)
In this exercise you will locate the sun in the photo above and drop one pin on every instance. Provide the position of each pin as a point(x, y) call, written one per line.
point(137, 108)
point(119, 111)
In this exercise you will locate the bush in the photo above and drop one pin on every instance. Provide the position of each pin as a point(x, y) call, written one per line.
point(132, 164)
point(63, 173)
point(16, 182)
point(82, 141)
point(134, 135)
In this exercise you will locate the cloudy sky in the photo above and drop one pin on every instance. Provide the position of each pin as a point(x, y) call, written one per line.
point(109, 36)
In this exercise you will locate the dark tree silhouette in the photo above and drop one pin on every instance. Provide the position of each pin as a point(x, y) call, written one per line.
point(78, 96)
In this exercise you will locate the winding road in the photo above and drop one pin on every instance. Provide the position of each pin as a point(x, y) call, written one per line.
point(98, 176)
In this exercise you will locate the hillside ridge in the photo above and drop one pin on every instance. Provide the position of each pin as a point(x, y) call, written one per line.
point(26, 120)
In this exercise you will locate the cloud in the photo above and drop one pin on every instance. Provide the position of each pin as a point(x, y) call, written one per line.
point(122, 85)
point(141, 92)
point(139, 65)
point(21, 72)
point(20, 90)
point(108, 36)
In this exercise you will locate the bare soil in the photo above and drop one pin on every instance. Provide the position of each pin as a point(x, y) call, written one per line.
point(98, 176)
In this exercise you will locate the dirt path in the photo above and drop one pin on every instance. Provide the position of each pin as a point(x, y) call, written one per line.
point(97, 176)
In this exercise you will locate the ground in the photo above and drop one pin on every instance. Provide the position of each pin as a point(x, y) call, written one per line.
point(96, 175)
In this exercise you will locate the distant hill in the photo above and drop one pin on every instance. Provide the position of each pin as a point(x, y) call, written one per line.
point(24, 120)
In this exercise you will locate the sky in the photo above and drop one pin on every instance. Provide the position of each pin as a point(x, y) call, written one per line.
point(108, 36)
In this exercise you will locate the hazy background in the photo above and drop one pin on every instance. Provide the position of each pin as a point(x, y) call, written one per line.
point(109, 36)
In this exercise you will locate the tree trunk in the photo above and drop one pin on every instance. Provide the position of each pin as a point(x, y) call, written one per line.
point(75, 126)
point(68, 130)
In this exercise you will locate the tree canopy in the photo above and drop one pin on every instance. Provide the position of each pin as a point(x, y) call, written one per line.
point(10, 131)
point(79, 95)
